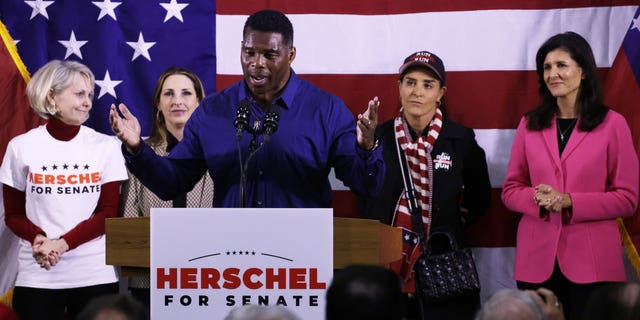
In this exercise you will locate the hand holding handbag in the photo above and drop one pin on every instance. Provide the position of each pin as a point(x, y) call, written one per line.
point(440, 276)
point(448, 275)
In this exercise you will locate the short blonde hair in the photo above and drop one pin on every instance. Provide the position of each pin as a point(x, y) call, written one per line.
point(54, 77)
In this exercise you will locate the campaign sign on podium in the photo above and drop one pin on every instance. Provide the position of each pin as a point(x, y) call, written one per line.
point(205, 262)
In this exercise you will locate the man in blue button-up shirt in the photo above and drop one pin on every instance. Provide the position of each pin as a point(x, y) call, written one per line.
point(269, 140)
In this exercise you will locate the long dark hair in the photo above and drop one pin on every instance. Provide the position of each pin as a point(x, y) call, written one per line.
point(589, 106)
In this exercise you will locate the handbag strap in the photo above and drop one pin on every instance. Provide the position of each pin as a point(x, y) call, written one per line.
point(412, 199)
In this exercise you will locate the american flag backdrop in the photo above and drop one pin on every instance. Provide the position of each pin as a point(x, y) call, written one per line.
point(352, 49)
point(127, 45)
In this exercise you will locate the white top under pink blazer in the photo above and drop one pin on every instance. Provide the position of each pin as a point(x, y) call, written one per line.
point(599, 170)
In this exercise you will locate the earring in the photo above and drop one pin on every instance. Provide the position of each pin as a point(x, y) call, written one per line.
point(51, 109)
point(159, 116)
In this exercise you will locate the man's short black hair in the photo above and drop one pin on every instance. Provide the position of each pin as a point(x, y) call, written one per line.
point(270, 21)
point(111, 305)
point(364, 292)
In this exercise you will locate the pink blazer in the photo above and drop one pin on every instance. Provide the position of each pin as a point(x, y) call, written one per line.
point(599, 170)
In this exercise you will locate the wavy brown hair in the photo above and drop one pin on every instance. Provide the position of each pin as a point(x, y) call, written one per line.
point(159, 128)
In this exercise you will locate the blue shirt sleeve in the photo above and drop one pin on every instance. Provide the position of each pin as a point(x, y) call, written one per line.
point(361, 170)
point(165, 177)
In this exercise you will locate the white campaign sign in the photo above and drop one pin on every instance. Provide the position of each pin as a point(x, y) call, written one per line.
point(205, 262)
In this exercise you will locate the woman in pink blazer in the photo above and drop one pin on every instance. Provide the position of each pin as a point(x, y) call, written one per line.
point(573, 170)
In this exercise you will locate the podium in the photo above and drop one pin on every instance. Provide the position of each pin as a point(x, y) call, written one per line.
point(355, 241)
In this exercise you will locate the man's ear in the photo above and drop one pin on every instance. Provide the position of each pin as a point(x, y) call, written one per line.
point(292, 55)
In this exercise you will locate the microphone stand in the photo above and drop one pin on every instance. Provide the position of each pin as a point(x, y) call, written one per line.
point(241, 122)
point(269, 128)
point(243, 177)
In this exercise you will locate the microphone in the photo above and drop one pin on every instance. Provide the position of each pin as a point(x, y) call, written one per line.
point(241, 122)
point(271, 120)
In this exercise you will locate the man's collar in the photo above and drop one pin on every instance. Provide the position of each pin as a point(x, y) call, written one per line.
point(285, 100)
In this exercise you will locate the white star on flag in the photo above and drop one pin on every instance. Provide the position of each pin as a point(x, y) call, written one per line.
point(15, 41)
point(107, 8)
point(107, 85)
point(141, 47)
point(636, 23)
point(39, 7)
point(73, 46)
point(174, 9)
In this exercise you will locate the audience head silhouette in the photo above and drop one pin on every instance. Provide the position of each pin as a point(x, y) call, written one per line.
point(364, 292)
point(511, 304)
point(114, 307)
point(615, 301)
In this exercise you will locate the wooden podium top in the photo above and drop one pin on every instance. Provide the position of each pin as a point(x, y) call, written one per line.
point(355, 241)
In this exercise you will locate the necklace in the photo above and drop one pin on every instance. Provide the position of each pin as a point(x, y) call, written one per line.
point(562, 132)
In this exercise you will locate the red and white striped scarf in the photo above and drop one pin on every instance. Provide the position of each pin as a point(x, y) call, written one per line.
point(419, 162)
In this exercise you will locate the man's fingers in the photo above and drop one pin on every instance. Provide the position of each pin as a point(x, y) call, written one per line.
point(373, 108)
point(125, 111)
point(114, 117)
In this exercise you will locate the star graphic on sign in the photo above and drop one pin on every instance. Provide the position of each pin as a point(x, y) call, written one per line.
point(73, 46)
point(635, 23)
point(15, 41)
point(39, 7)
point(107, 8)
point(174, 9)
point(141, 48)
point(107, 85)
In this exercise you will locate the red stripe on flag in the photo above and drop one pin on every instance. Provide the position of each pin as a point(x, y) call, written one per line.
point(508, 93)
point(497, 228)
point(375, 7)
point(17, 117)
point(345, 204)
point(622, 94)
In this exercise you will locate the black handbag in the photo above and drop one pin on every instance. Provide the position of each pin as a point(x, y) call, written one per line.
point(448, 275)
point(443, 275)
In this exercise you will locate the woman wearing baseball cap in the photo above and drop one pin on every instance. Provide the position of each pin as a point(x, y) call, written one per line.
point(448, 172)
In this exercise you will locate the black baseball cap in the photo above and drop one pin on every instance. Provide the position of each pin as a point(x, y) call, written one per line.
point(425, 59)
